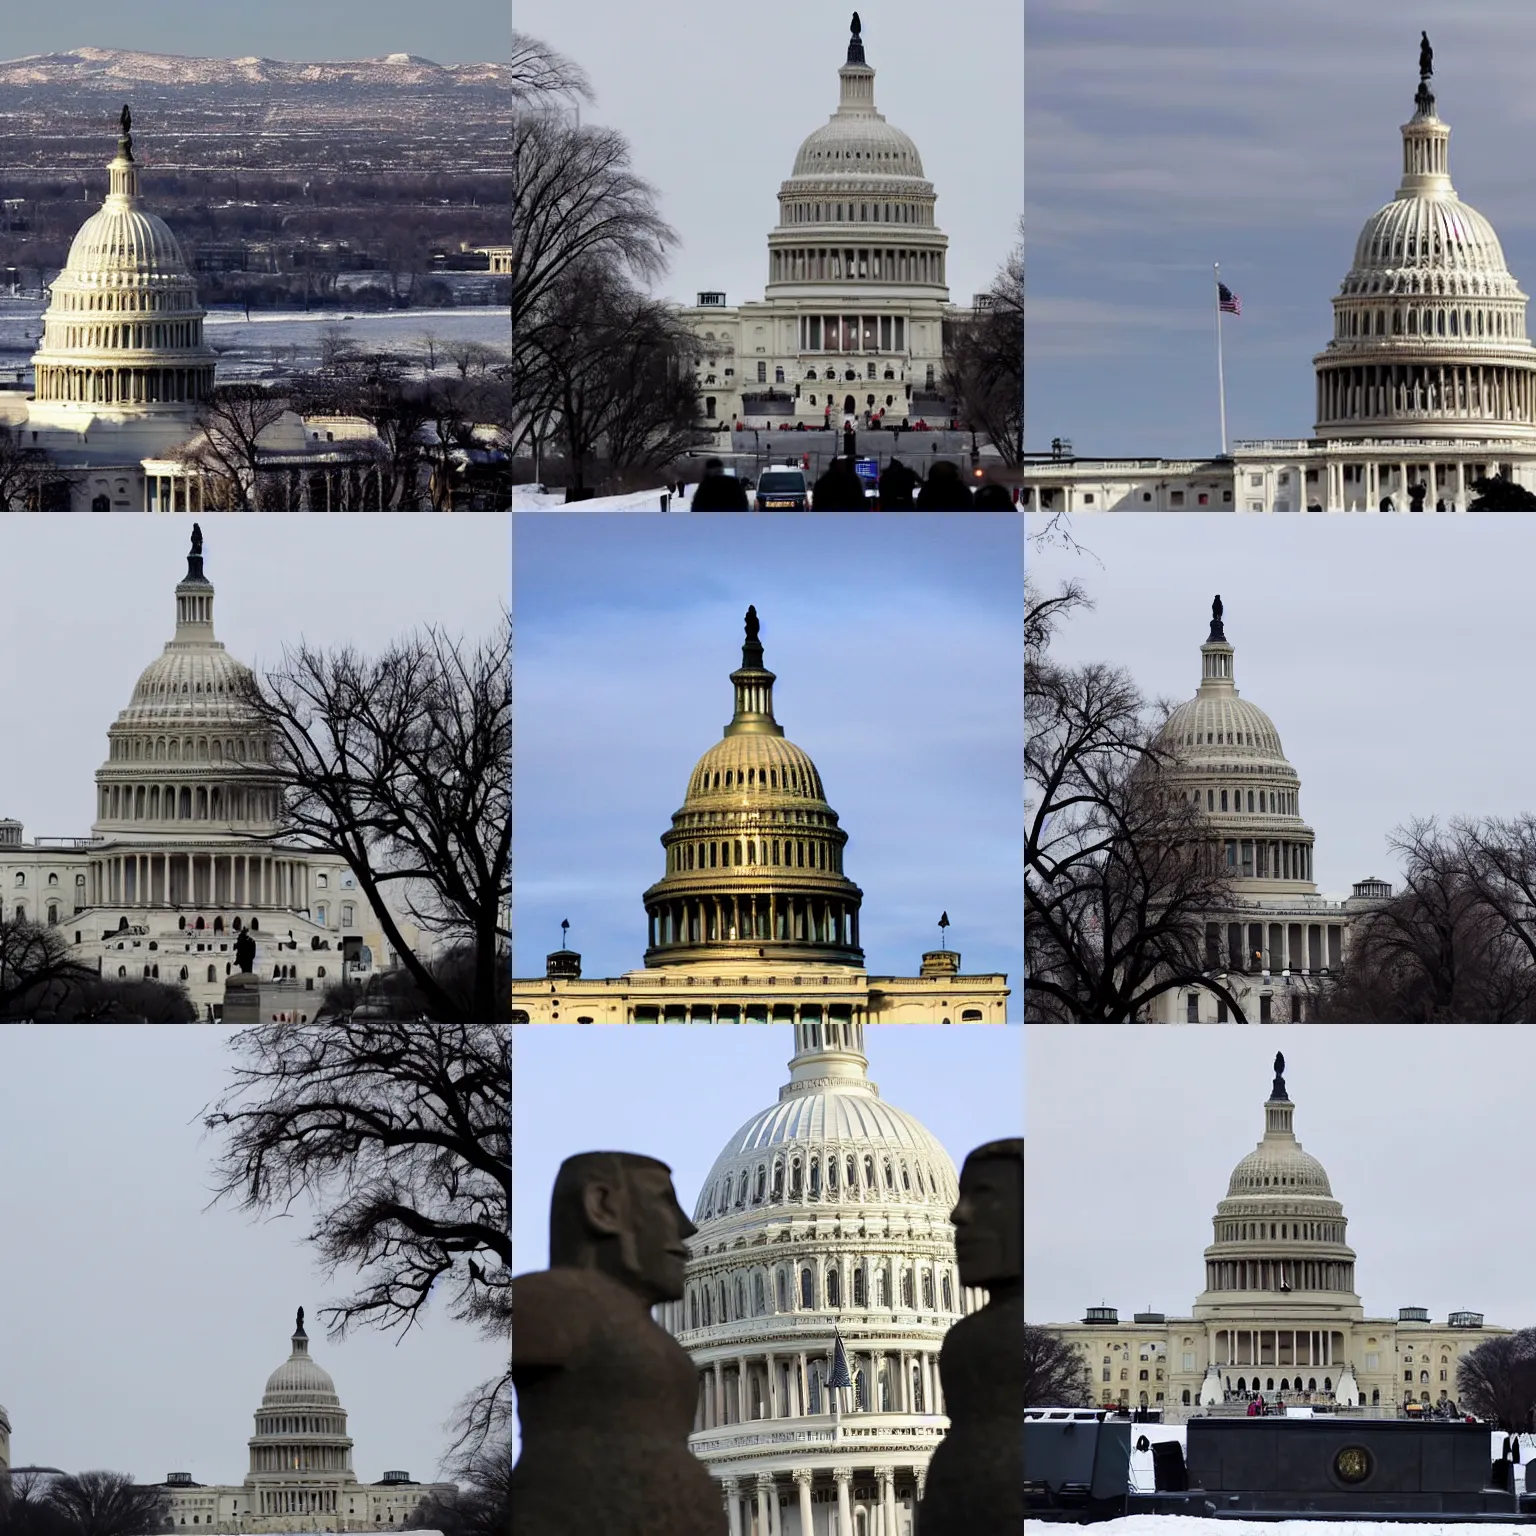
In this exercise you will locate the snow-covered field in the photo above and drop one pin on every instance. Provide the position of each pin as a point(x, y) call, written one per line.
point(524, 500)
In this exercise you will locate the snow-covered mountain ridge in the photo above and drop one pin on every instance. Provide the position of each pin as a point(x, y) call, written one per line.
point(114, 67)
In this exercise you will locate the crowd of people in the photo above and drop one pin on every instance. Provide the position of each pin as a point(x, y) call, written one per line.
point(841, 489)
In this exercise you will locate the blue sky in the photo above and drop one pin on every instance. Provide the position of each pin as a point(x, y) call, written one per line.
point(716, 101)
point(896, 642)
point(137, 1326)
point(1391, 653)
point(1422, 1132)
point(462, 31)
point(678, 1092)
point(90, 599)
point(1163, 139)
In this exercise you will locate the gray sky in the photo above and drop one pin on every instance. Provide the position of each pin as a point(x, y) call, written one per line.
point(89, 599)
point(1133, 1134)
point(896, 643)
point(1163, 139)
point(137, 1327)
point(715, 101)
point(581, 1090)
point(1390, 652)
point(460, 32)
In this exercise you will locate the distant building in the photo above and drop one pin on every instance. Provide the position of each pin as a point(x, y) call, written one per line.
point(1279, 1317)
point(851, 324)
point(1427, 384)
point(301, 1476)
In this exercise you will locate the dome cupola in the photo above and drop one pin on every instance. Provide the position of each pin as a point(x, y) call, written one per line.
point(1279, 1232)
point(755, 854)
point(1225, 753)
point(1429, 334)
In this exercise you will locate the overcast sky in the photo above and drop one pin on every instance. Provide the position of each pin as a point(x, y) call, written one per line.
point(138, 1327)
point(716, 100)
point(1133, 1134)
point(1391, 653)
point(1163, 139)
point(584, 1090)
point(896, 644)
point(459, 32)
point(89, 601)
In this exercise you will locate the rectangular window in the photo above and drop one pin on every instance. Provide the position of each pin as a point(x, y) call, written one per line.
point(871, 338)
point(901, 344)
point(885, 333)
point(1192, 1010)
point(813, 343)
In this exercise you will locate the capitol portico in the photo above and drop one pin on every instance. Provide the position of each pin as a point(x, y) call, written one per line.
point(821, 1283)
point(1279, 1316)
point(1426, 385)
point(1276, 949)
point(754, 918)
point(851, 323)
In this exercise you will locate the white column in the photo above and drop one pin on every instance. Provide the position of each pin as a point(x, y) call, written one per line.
point(764, 1485)
point(803, 1487)
point(888, 1500)
point(842, 1476)
point(732, 1505)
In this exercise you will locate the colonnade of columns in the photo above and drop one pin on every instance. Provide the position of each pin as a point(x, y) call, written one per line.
point(298, 1501)
point(753, 1505)
point(199, 879)
point(772, 915)
point(835, 263)
point(777, 1385)
point(1277, 947)
point(1272, 1274)
point(1386, 391)
point(122, 386)
point(1373, 480)
point(1279, 1347)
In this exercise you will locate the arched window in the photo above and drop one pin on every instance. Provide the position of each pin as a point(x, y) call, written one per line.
point(807, 1290)
point(834, 1289)
point(759, 1305)
point(815, 1389)
point(861, 1389)
point(906, 1288)
point(880, 1286)
point(741, 1298)
point(928, 1288)
point(858, 1287)
point(761, 1185)
point(778, 1180)
point(815, 1178)
point(783, 1291)
point(949, 1296)
point(853, 1174)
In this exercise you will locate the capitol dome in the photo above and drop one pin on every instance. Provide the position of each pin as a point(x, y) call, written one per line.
point(1429, 334)
point(755, 855)
point(123, 333)
point(820, 1284)
point(1279, 1230)
point(1224, 754)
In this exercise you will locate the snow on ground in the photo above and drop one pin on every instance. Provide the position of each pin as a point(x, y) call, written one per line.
point(524, 500)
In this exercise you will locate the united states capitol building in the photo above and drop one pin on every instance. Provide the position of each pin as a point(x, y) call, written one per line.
point(1427, 384)
point(821, 1284)
point(301, 1476)
point(123, 369)
point(754, 918)
point(1277, 949)
point(851, 322)
point(185, 854)
point(1279, 1315)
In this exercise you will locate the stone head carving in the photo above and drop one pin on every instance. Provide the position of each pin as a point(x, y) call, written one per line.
point(989, 1218)
point(617, 1212)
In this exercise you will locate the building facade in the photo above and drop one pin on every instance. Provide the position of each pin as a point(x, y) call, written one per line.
point(754, 918)
point(301, 1476)
point(1426, 385)
point(851, 323)
point(1279, 1316)
point(184, 853)
point(1282, 941)
point(822, 1281)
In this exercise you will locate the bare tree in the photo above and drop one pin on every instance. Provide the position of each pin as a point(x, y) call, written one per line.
point(481, 1505)
point(1121, 880)
point(108, 1504)
point(1056, 1374)
point(539, 72)
point(1497, 1381)
point(401, 765)
point(24, 472)
point(37, 972)
point(225, 448)
point(400, 1136)
point(24, 1506)
point(984, 362)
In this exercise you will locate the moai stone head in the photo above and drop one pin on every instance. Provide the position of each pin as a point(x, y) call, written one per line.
point(617, 1212)
point(989, 1218)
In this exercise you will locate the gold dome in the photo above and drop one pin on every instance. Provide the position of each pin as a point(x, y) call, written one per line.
point(755, 854)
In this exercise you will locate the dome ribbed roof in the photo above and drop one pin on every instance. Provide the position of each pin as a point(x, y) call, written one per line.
point(1278, 1169)
point(830, 1107)
point(743, 768)
point(298, 1381)
point(123, 241)
point(1440, 232)
point(1232, 724)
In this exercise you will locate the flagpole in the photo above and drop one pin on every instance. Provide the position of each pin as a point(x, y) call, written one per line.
point(1221, 372)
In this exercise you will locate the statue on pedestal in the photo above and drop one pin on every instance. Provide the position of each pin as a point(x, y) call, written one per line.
point(605, 1395)
point(975, 1484)
point(245, 952)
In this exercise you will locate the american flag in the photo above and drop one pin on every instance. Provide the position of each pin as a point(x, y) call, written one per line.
point(840, 1376)
point(1227, 300)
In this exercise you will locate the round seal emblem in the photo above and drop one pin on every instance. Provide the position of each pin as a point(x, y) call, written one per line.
point(1352, 1464)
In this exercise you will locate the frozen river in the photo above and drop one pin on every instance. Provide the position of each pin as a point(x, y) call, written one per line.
point(269, 345)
